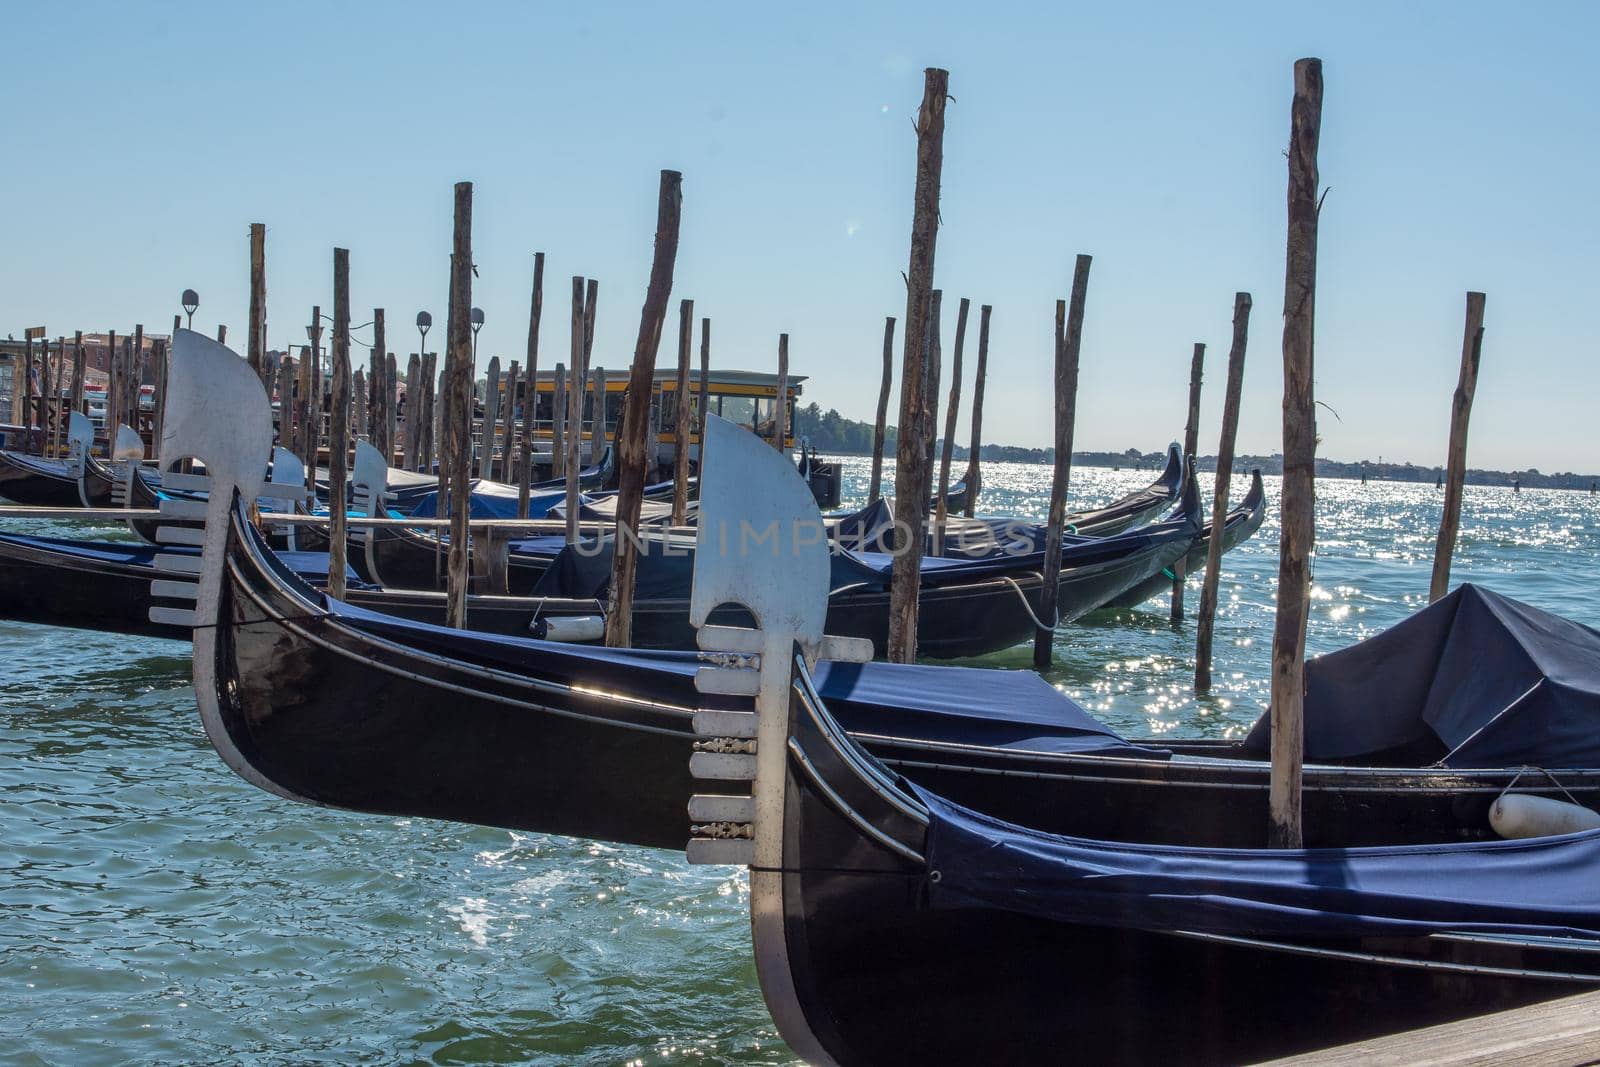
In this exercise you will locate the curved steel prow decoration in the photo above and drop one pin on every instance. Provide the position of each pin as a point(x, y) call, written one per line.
point(127, 449)
point(80, 436)
point(761, 545)
point(369, 482)
point(216, 412)
point(80, 439)
point(285, 492)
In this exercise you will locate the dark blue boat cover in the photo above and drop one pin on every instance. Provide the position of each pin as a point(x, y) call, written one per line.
point(1013, 709)
point(492, 500)
point(1541, 887)
point(1474, 679)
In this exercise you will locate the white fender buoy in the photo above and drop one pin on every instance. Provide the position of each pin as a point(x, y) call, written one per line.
point(1516, 815)
point(574, 629)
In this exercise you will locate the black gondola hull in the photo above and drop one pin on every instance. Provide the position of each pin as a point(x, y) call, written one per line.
point(38, 482)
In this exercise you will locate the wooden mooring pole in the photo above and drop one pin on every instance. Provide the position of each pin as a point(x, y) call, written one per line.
point(704, 399)
point(1191, 442)
point(530, 403)
point(458, 397)
point(79, 369)
point(256, 346)
point(413, 434)
point(339, 423)
point(508, 423)
point(974, 477)
point(1297, 507)
point(780, 403)
point(491, 418)
point(380, 425)
point(1205, 627)
point(636, 417)
point(1069, 341)
point(880, 425)
point(952, 410)
point(1460, 415)
point(681, 427)
point(574, 428)
point(911, 456)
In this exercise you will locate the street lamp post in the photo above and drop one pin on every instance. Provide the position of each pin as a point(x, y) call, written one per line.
point(191, 303)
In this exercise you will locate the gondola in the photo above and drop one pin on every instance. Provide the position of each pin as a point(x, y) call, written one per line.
point(39, 481)
point(332, 703)
point(1241, 523)
point(967, 607)
point(892, 925)
point(871, 528)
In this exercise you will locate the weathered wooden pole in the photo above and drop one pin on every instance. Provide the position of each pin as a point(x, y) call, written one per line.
point(574, 428)
point(591, 301)
point(636, 415)
point(508, 423)
point(930, 426)
point(135, 376)
point(339, 423)
point(1191, 442)
point(597, 418)
point(458, 396)
point(285, 386)
point(382, 386)
point(680, 453)
point(46, 401)
point(941, 513)
point(911, 457)
point(390, 415)
point(413, 412)
point(780, 403)
point(1069, 343)
point(1460, 414)
point(358, 403)
point(652, 437)
point(491, 418)
point(1297, 507)
point(879, 429)
point(79, 369)
point(1205, 627)
point(256, 347)
point(974, 477)
point(313, 427)
point(432, 411)
point(113, 386)
point(558, 422)
point(222, 333)
point(704, 400)
point(302, 407)
point(530, 405)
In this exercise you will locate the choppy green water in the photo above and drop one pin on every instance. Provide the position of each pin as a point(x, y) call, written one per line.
point(154, 908)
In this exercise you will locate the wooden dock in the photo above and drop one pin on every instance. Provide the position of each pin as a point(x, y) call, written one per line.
point(1556, 1032)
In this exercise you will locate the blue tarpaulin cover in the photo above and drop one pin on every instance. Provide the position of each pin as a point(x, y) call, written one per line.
point(1476, 678)
point(491, 500)
point(1541, 887)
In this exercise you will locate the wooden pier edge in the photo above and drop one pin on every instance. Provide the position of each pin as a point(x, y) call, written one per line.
point(1562, 1031)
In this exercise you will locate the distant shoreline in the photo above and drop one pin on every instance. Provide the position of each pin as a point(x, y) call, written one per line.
point(833, 435)
point(1406, 473)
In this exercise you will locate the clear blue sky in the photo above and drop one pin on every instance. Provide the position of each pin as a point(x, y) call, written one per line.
point(1460, 142)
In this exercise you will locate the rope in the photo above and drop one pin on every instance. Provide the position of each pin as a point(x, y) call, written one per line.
point(1027, 606)
point(1539, 770)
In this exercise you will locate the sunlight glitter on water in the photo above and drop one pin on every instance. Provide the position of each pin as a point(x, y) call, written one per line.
point(158, 909)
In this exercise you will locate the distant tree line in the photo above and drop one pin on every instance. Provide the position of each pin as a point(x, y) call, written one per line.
point(830, 432)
